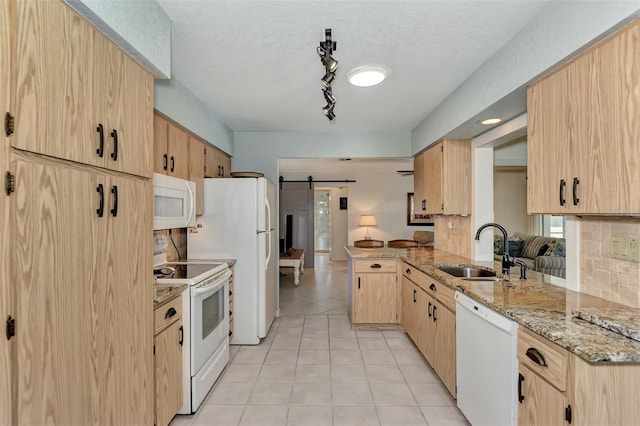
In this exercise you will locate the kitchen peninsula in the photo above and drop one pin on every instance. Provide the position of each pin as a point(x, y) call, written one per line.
point(590, 358)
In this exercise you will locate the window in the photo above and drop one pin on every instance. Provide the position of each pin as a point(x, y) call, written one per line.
point(553, 226)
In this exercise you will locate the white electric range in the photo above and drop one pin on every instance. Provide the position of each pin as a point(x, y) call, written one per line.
point(205, 305)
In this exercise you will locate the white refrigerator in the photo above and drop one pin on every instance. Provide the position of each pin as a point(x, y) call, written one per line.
point(239, 223)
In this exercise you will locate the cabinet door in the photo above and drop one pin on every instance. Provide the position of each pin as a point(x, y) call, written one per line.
point(445, 346)
point(196, 171)
point(211, 162)
point(84, 304)
point(427, 339)
point(456, 176)
point(433, 179)
point(160, 141)
point(178, 150)
point(168, 371)
point(6, 289)
point(541, 404)
point(375, 298)
point(419, 199)
point(409, 300)
point(549, 150)
point(225, 163)
point(54, 65)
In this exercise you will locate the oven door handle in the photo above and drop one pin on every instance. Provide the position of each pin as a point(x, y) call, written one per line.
point(214, 286)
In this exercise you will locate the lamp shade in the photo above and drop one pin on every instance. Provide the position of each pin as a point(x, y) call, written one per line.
point(367, 220)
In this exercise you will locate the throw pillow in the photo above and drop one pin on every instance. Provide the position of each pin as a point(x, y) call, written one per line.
point(543, 249)
point(559, 249)
point(550, 249)
point(515, 246)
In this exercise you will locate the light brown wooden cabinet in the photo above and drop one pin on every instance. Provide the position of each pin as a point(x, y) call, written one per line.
point(217, 163)
point(6, 289)
point(168, 341)
point(540, 403)
point(84, 299)
point(196, 170)
point(77, 95)
point(444, 179)
point(171, 148)
point(428, 316)
point(374, 291)
point(582, 133)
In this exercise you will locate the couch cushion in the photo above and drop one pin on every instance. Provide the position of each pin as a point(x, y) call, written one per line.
point(515, 245)
point(532, 247)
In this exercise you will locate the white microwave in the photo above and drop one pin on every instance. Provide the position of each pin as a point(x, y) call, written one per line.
point(174, 202)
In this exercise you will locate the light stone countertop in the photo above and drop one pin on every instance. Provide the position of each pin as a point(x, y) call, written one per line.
point(548, 310)
point(163, 293)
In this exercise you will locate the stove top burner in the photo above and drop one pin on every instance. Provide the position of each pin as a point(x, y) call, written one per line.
point(183, 270)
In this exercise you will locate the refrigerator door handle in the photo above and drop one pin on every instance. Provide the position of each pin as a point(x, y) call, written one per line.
point(266, 264)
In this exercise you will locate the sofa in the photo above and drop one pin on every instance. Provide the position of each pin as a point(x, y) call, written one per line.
point(541, 254)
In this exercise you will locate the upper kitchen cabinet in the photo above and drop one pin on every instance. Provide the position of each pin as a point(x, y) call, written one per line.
point(446, 183)
point(583, 131)
point(171, 148)
point(77, 95)
point(419, 197)
point(196, 170)
point(217, 163)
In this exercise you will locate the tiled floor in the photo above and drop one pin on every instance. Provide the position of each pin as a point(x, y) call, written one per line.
point(313, 369)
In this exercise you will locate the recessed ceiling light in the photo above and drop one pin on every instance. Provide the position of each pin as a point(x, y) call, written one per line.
point(367, 75)
point(489, 121)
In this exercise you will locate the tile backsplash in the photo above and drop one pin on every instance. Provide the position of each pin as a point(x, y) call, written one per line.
point(180, 239)
point(600, 274)
point(458, 238)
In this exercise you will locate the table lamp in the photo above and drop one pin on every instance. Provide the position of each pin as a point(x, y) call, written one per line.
point(367, 220)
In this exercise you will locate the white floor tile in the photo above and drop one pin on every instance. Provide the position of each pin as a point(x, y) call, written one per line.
point(241, 373)
point(230, 393)
point(312, 373)
point(265, 415)
point(219, 415)
point(378, 357)
point(392, 394)
point(350, 343)
point(313, 356)
point(285, 342)
point(345, 357)
point(431, 394)
point(444, 416)
point(277, 373)
point(351, 394)
point(372, 343)
point(419, 374)
point(282, 356)
point(313, 343)
point(348, 373)
point(384, 374)
point(311, 393)
point(308, 415)
point(354, 415)
point(274, 393)
point(250, 356)
point(408, 416)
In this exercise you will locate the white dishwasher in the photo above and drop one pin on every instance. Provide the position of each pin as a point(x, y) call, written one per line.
point(487, 364)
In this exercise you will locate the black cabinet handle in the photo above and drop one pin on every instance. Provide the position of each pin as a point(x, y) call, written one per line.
point(170, 313)
point(414, 295)
point(432, 287)
point(114, 154)
point(219, 170)
point(435, 308)
point(100, 150)
point(408, 271)
point(424, 204)
point(520, 380)
point(114, 210)
point(173, 163)
point(576, 182)
point(230, 333)
point(222, 171)
point(230, 313)
point(230, 293)
point(563, 184)
point(181, 341)
point(358, 282)
point(376, 266)
point(165, 162)
point(100, 210)
point(535, 356)
point(429, 310)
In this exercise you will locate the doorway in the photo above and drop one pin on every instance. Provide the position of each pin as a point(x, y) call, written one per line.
point(322, 220)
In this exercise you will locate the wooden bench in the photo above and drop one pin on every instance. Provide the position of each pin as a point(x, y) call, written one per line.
point(293, 259)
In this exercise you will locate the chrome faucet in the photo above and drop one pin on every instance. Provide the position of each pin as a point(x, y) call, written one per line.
point(506, 262)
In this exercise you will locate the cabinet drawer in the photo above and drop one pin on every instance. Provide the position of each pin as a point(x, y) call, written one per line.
point(167, 314)
point(374, 265)
point(442, 292)
point(543, 357)
point(415, 275)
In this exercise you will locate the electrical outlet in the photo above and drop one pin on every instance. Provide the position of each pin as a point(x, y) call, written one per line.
point(625, 249)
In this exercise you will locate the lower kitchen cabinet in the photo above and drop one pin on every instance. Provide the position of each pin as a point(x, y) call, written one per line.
point(430, 322)
point(540, 403)
point(81, 269)
point(374, 291)
point(168, 361)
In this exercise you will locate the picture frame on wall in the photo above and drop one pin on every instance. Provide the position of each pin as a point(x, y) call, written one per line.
point(414, 219)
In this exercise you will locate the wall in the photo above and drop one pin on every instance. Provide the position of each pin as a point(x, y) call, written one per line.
point(600, 275)
point(173, 100)
point(381, 192)
point(510, 198)
point(141, 28)
point(559, 30)
point(259, 151)
point(454, 234)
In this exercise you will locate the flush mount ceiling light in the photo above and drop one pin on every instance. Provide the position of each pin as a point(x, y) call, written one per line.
point(325, 49)
point(489, 121)
point(367, 75)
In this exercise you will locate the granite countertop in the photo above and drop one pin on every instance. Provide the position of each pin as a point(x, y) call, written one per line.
point(549, 310)
point(163, 293)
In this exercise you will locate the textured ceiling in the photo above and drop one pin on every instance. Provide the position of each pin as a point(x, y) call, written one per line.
point(254, 63)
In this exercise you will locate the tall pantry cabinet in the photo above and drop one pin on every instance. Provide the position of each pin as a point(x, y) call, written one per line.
point(6, 307)
point(81, 224)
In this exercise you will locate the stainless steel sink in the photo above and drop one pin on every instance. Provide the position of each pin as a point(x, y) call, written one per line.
point(467, 272)
point(485, 279)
